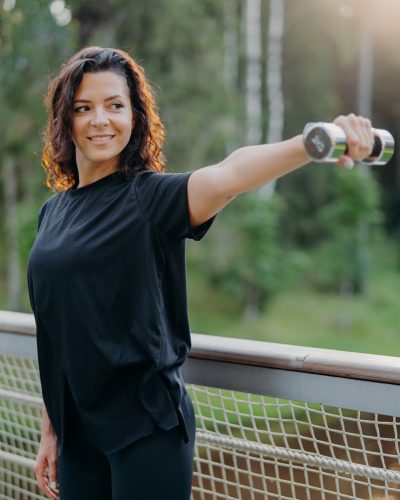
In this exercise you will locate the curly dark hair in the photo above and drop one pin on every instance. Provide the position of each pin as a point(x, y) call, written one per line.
point(144, 148)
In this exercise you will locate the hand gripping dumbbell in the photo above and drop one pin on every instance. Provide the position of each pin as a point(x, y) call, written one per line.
point(326, 142)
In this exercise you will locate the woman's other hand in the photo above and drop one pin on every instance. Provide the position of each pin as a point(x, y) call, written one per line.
point(45, 467)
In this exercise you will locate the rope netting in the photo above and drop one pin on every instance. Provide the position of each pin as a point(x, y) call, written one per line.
point(247, 446)
point(257, 447)
point(20, 417)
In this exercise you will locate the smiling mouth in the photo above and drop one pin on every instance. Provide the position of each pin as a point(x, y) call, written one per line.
point(103, 139)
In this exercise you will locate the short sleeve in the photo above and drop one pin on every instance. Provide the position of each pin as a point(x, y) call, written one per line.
point(163, 200)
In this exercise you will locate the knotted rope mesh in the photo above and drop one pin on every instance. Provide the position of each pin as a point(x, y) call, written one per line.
point(247, 446)
point(258, 447)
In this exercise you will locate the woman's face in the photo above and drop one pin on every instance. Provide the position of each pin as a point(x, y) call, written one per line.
point(102, 119)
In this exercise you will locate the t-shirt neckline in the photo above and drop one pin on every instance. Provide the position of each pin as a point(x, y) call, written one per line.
point(74, 191)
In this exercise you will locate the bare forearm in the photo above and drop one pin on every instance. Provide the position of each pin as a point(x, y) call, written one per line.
point(253, 166)
point(46, 427)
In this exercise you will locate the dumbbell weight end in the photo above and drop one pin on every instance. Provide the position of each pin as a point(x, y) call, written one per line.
point(326, 142)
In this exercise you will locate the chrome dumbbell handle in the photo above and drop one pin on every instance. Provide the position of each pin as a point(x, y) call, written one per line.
point(326, 142)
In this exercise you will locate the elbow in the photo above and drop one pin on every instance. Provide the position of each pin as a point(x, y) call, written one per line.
point(235, 178)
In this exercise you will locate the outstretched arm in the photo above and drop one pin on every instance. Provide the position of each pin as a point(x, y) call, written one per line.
point(211, 188)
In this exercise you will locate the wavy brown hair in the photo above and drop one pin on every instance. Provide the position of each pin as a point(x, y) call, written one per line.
point(144, 148)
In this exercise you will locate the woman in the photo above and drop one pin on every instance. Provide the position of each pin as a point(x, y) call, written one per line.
point(106, 279)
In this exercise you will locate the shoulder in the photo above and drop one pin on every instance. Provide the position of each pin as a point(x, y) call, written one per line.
point(155, 176)
point(51, 201)
point(149, 181)
point(45, 206)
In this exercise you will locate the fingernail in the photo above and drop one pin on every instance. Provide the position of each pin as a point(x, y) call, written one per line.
point(53, 485)
point(348, 164)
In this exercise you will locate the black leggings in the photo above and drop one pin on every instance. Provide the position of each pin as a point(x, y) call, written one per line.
point(156, 467)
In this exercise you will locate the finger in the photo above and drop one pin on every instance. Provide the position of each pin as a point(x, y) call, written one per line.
point(53, 476)
point(364, 139)
point(345, 162)
point(40, 469)
point(367, 141)
point(54, 485)
point(358, 144)
point(53, 491)
point(359, 135)
point(350, 125)
point(50, 493)
point(370, 134)
point(338, 120)
point(46, 488)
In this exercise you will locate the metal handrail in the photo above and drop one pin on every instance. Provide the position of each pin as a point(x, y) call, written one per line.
point(330, 362)
point(367, 383)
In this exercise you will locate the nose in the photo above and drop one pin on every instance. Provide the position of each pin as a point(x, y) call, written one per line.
point(99, 117)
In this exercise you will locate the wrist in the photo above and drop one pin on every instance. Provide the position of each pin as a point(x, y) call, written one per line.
point(47, 429)
point(46, 426)
point(298, 143)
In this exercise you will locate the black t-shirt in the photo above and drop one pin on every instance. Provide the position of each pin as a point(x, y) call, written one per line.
point(107, 285)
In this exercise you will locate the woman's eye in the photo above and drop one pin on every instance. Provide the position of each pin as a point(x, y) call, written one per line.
point(84, 108)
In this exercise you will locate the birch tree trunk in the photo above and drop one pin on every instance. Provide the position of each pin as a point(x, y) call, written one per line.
point(253, 72)
point(13, 289)
point(232, 37)
point(274, 81)
point(231, 45)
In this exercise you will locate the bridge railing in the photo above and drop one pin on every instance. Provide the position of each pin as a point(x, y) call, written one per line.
point(273, 420)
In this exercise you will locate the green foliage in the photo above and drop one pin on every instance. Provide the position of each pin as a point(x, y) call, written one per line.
point(31, 43)
point(323, 220)
point(350, 221)
point(181, 46)
point(31, 47)
point(354, 199)
point(300, 315)
point(308, 71)
point(320, 83)
point(248, 262)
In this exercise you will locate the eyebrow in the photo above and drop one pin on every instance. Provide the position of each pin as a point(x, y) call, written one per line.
point(108, 99)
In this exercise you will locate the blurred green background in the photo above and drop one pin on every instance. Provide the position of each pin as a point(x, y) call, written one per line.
point(313, 259)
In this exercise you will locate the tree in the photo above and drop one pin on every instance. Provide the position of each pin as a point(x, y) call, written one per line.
point(30, 41)
point(276, 114)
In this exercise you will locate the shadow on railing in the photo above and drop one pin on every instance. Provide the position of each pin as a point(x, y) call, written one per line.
point(273, 420)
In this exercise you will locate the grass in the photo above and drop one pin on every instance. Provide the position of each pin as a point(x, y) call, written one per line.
point(302, 316)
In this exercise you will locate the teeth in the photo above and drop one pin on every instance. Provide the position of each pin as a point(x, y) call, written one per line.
point(101, 139)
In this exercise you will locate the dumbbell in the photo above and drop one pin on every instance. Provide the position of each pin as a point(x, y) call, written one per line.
point(326, 142)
